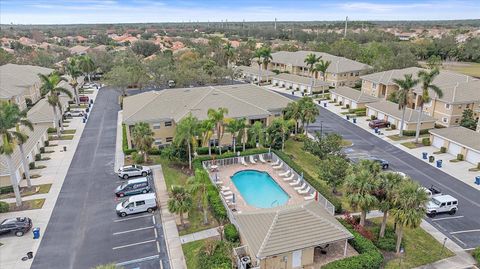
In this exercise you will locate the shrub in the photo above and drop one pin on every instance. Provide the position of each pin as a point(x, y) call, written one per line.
point(214, 254)
point(4, 207)
point(276, 84)
point(125, 148)
point(460, 157)
point(42, 150)
point(154, 151)
point(51, 130)
point(231, 233)
point(38, 157)
point(340, 103)
point(443, 149)
point(388, 242)
point(347, 106)
point(413, 132)
point(137, 158)
point(6, 189)
point(426, 141)
point(393, 126)
point(46, 143)
point(31, 165)
point(476, 254)
point(373, 117)
point(361, 113)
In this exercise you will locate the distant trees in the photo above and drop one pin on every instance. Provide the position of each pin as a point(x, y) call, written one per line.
point(145, 48)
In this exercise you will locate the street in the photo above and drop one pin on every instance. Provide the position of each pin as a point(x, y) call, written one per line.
point(464, 227)
point(84, 230)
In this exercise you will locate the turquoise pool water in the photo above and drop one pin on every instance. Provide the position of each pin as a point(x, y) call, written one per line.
point(259, 189)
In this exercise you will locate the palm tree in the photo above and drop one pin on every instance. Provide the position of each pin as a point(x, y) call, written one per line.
point(234, 126)
point(229, 52)
point(206, 129)
point(409, 210)
point(185, 135)
point(403, 94)
point(74, 72)
point(142, 137)
point(218, 117)
point(308, 111)
point(51, 89)
point(322, 67)
point(22, 140)
point(10, 117)
point(285, 127)
point(258, 55)
point(292, 111)
point(311, 60)
point(198, 184)
point(256, 134)
point(267, 58)
point(426, 78)
point(180, 202)
point(243, 134)
point(360, 184)
point(388, 182)
point(87, 65)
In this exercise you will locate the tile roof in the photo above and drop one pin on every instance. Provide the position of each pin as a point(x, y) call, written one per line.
point(355, 95)
point(391, 109)
point(270, 232)
point(460, 135)
point(15, 78)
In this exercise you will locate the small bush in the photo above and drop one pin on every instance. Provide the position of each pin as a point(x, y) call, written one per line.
point(443, 149)
point(340, 103)
point(46, 143)
point(373, 117)
point(476, 254)
point(393, 126)
point(137, 158)
point(42, 150)
point(460, 157)
point(38, 157)
point(426, 141)
point(51, 130)
point(360, 113)
point(413, 132)
point(6, 189)
point(4, 207)
point(231, 233)
point(347, 106)
point(31, 165)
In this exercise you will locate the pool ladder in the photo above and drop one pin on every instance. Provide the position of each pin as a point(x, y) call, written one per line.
point(276, 201)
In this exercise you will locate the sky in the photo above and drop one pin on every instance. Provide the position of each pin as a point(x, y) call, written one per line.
point(131, 11)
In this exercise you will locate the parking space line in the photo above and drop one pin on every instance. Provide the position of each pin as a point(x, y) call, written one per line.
point(137, 217)
point(460, 241)
point(138, 260)
point(447, 218)
point(161, 264)
point(134, 230)
point(153, 219)
point(465, 231)
point(134, 244)
point(158, 247)
point(156, 233)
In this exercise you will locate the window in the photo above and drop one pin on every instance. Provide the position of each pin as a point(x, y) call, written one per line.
point(468, 106)
point(156, 126)
point(374, 85)
point(169, 139)
point(168, 123)
point(447, 106)
point(445, 120)
point(139, 203)
point(158, 142)
point(460, 107)
point(449, 203)
point(357, 74)
point(454, 202)
point(456, 120)
point(351, 74)
point(442, 205)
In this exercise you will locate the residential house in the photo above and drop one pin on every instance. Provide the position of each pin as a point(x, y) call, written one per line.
point(162, 110)
point(341, 72)
point(251, 74)
point(458, 140)
point(460, 92)
point(79, 50)
point(299, 83)
point(351, 97)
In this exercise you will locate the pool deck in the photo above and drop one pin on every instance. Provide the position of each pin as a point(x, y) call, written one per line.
point(226, 172)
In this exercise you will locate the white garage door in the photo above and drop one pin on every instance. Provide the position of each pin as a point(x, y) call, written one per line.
point(381, 116)
point(353, 105)
point(370, 112)
point(437, 142)
point(473, 157)
point(454, 149)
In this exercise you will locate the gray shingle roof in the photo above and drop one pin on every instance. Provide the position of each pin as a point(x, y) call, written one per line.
point(270, 232)
point(460, 135)
point(15, 78)
point(355, 95)
point(338, 64)
point(42, 112)
point(254, 71)
point(299, 79)
point(243, 100)
point(391, 109)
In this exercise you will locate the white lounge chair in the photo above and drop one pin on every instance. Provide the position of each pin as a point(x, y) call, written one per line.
point(260, 157)
point(276, 163)
point(252, 159)
point(310, 197)
point(285, 174)
point(301, 187)
point(289, 178)
point(295, 182)
point(224, 188)
point(219, 182)
point(242, 160)
point(278, 166)
point(227, 193)
point(229, 197)
point(305, 191)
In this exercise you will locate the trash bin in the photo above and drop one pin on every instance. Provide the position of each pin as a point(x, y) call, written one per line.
point(84, 120)
point(64, 148)
point(30, 255)
point(319, 102)
point(439, 163)
point(293, 93)
point(431, 159)
point(89, 105)
point(91, 101)
point(376, 130)
point(36, 232)
point(477, 180)
point(325, 104)
point(348, 117)
point(424, 155)
point(354, 120)
point(87, 109)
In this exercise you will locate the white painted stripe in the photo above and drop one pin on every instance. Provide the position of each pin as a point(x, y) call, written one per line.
point(161, 264)
point(153, 219)
point(134, 244)
point(138, 260)
point(156, 233)
point(466, 231)
point(137, 217)
point(460, 241)
point(446, 218)
point(158, 247)
point(134, 230)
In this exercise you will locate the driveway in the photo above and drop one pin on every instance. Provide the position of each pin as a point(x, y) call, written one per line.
point(464, 227)
point(84, 230)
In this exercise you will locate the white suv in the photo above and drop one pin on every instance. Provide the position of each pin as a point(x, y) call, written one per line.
point(442, 204)
point(133, 170)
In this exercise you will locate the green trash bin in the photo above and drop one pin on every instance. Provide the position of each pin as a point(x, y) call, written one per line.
point(431, 159)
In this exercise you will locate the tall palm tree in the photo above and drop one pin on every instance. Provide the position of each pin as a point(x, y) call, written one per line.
point(322, 67)
point(426, 78)
point(388, 182)
point(185, 134)
point(218, 117)
point(180, 202)
point(292, 111)
point(142, 137)
point(409, 210)
point(308, 111)
point(256, 134)
point(234, 126)
point(311, 60)
point(360, 185)
point(285, 127)
point(258, 55)
point(403, 94)
point(229, 52)
point(10, 117)
point(198, 184)
point(73, 71)
point(87, 65)
point(21, 140)
point(52, 90)
point(267, 58)
point(243, 134)
point(206, 129)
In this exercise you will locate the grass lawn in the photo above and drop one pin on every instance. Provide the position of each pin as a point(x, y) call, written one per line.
point(172, 172)
point(38, 167)
point(191, 251)
point(28, 205)
point(396, 137)
point(471, 69)
point(72, 131)
point(25, 191)
point(79, 106)
point(62, 137)
point(306, 160)
point(412, 145)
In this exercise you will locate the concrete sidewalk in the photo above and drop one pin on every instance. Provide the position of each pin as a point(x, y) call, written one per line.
point(172, 238)
point(119, 156)
point(212, 232)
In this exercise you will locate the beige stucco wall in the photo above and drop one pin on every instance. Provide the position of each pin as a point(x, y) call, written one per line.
point(449, 115)
point(380, 90)
point(284, 261)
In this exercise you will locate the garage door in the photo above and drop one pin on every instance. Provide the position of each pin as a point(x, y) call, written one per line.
point(353, 105)
point(454, 149)
point(380, 116)
point(473, 157)
point(370, 112)
point(437, 142)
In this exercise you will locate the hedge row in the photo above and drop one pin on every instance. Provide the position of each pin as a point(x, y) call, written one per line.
point(369, 256)
point(216, 150)
point(4, 207)
point(413, 132)
point(476, 254)
point(6, 189)
point(326, 192)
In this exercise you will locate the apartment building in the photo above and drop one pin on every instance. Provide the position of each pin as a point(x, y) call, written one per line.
point(162, 110)
point(460, 92)
point(341, 72)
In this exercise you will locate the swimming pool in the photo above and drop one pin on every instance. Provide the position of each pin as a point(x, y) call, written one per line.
point(259, 189)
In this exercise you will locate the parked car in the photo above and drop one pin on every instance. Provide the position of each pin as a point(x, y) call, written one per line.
point(383, 163)
point(137, 204)
point(133, 170)
point(442, 204)
point(18, 226)
point(133, 186)
point(378, 124)
point(432, 191)
point(75, 113)
point(84, 99)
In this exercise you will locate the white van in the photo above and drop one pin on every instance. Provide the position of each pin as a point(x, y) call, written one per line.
point(137, 204)
point(442, 204)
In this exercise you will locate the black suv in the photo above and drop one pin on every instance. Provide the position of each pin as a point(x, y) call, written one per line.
point(19, 226)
